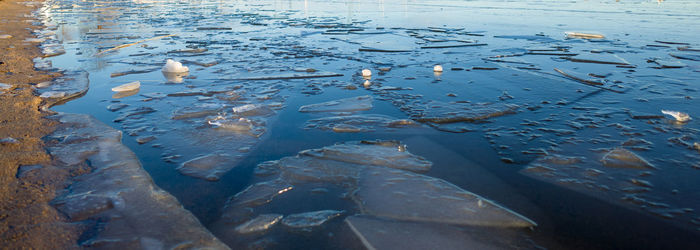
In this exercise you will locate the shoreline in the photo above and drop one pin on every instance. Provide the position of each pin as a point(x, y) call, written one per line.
point(67, 180)
point(27, 220)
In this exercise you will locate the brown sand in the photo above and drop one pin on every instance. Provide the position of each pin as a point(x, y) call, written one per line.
point(26, 218)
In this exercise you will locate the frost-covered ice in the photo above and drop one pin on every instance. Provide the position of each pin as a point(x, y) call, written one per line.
point(174, 67)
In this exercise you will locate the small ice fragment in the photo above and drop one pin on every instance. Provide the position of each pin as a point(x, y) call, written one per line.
point(127, 87)
point(260, 223)
point(4, 86)
point(437, 68)
point(240, 125)
point(583, 35)
point(174, 67)
point(310, 219)
point(366, 73)
point(367, 84)
point(53, 94)
point(696, 146)
point(623, 158)
point(680, 116)
point(244, 108)
point(351, 104)
point(8, 140)
point(43, 84)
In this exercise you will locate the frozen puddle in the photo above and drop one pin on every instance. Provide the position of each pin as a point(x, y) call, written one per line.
point(378, 178)
point(116, 200)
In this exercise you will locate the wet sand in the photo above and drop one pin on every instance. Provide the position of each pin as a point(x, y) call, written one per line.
point(26, 218)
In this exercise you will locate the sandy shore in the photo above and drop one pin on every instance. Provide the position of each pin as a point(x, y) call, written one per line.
point(26, 218)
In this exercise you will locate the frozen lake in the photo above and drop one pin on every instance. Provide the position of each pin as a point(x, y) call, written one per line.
point(544, 126)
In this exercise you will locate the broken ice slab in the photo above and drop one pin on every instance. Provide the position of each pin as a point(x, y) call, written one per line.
point(583, 35)
point(669, 64)
point(623, 158)
point(203, 64)
point(538, 38)
point(127, 87)
point(72, 84)
point(386, 50)
point(52, 50)
point(358, 123)
point(259, 224)
point(260, 193)
point(118, 192)
point(390, 154)
point(377, 233)
point(306, 221)
point(440, 112)
point(579, 77)
point(686, 56)
point(599, 59)
point(374, 172)
point(123, 94)
point(289, 76)
point(209, 167)
point(133, 71)
point(351, 104)
point(191, 113)
point(445, 45)
point(252, 110)
point(402, 195)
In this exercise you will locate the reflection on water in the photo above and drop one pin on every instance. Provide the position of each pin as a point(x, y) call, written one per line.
point(545, 113)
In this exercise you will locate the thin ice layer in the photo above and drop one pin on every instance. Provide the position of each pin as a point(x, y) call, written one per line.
point(385, 234)
point(358, 123)
point(623, 158)
point(310, 219)
point(73, 84)
point(439, 112)
point(132, 211)
point(406, 196)
point(352, 104)
point(209, 167)
point(259, 224)
point(390, 154)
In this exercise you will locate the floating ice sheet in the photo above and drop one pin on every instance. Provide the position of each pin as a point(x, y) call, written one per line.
point(358, 123)
point(209, 167)
point(407, 196)
point(386, 234)
point(352, 104)
point(310, 219)
point(390, 154)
